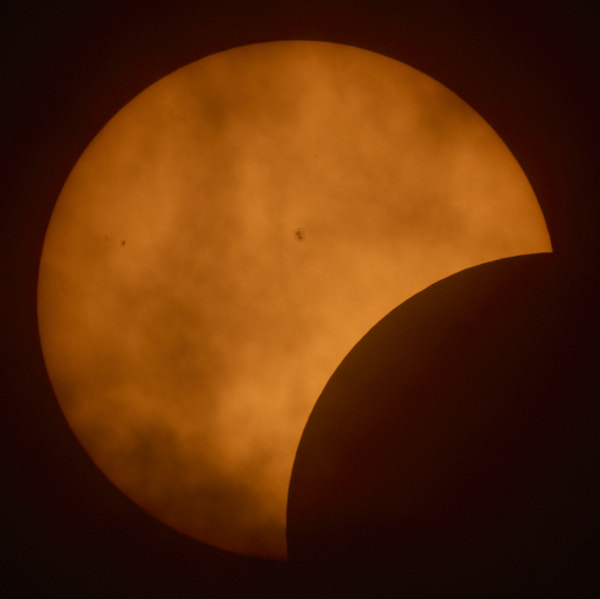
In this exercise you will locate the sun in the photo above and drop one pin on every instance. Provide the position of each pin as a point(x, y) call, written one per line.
point(228, 237)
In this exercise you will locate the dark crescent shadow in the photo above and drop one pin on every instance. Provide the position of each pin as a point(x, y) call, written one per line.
point(453, 448)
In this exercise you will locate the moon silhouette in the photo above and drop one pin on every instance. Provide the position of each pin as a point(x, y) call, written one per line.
point(228, 237)
point(449, 444)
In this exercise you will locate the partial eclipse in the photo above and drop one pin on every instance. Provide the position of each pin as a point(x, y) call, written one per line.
point(228, 237)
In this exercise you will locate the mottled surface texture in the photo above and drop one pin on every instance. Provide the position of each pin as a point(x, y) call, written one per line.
point(224, 242)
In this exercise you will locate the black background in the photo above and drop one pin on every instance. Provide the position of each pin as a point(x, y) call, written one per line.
point(530, 69)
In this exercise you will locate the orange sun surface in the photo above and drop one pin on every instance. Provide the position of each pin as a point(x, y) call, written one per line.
point(228, 237)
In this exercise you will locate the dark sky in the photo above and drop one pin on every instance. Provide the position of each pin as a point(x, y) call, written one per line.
point(530, 70)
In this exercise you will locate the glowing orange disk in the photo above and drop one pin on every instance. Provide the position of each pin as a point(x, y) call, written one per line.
point(228, 237)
